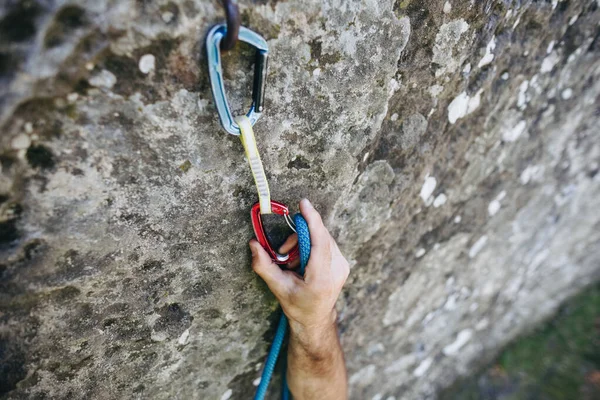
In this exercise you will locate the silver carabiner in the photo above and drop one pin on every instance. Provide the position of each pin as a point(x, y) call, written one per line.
point(213, 40)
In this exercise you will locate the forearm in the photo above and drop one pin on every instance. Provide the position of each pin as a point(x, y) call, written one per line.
point(316, 368)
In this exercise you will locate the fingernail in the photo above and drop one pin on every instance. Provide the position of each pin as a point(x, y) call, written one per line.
point(307, 203)
point(252, 249)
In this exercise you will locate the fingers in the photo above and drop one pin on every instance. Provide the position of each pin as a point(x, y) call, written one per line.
point(279, 282)
point(320, 252)
point(289, 244)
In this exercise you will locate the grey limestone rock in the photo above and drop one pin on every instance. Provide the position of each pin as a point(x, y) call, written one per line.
point(452, 147)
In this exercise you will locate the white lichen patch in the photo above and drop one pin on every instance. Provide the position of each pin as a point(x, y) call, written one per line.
point(478, 246)
point(522, 98)
point(462, 339)
point(420, 253)
point(533, 173)
point(495, 204)
point(401, 364)
point(182, 341)
point(493, 207)
point(72, 97)
point(167, 16)
point(147, 63)
point(103, 79)
point(427, 189)
point(549, 62)
point(423, 367)
point(445, 42)
point(227, 394)
point(413, 128)
point(463, 105)
point(489, 55)
point(566, 94)
point(515, 132)
point(573, 19)
point(481, 325)
point(364, 376)
point(440, 200)
point(20, 142)
point(447, 7)
point(435, 90)
point(393, 86)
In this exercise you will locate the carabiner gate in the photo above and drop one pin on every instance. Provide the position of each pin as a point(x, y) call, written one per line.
point(213, 40)
point(259, 231)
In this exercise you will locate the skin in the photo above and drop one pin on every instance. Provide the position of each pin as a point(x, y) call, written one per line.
point(316, 367)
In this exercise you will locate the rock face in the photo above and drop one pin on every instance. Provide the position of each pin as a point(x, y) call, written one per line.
point(451, 145)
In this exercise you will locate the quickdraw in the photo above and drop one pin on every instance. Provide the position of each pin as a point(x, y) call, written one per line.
point(242, 127)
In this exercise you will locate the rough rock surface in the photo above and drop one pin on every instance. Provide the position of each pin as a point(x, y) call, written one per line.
point(452, 146)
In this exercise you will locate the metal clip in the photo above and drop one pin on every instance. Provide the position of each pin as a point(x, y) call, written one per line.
point(213, 40)
point(259, 231)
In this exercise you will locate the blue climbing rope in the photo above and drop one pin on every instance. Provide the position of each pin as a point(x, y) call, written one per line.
point(304, 246)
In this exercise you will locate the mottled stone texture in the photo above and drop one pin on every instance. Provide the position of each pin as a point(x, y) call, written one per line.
point(451, 145)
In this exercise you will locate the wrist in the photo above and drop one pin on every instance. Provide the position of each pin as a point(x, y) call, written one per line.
point(314, 338)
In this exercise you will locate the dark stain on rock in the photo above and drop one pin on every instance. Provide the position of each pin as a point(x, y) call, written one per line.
point(18, 25)
point(199, 289)
point(126, 328)
point(593, 47)
point(242, 385)
point(152, 265)
point(209, 314)
point(7, 160)
point(72, 265)
point(9, 64)
point(9, 232)
point(173, 72)
point(12, 365)
point(273, 321)
point(268, 29)
point(324, 59)
point(39, 156)
point(65, 294)
point(173, 320)
point(65, 24)
point(77, 172)
point(299, 163)
point(33, 249)
point(159, 288)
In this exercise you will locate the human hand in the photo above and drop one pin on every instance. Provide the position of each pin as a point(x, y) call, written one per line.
point(309, 301)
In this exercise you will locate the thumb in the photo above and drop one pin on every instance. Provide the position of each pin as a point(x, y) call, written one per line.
point(278, 281)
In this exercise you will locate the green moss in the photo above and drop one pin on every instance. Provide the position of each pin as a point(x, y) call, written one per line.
point(71, 111)
point(404, 4)
point(556, 361)
point(185, 167)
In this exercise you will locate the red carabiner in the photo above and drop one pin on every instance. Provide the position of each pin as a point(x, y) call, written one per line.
point(259, 231)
